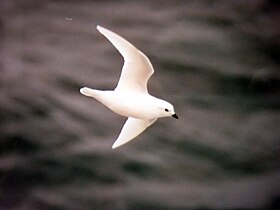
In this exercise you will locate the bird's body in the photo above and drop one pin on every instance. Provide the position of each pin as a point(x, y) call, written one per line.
point(139, 105)
point(130, 98)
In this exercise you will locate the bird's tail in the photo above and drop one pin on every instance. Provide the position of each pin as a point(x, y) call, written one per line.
point(88, 92)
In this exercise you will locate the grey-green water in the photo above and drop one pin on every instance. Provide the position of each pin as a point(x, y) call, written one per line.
point(216, 61)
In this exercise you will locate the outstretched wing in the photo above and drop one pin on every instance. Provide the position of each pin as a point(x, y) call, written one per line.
point(137, 68)
point(132, 128)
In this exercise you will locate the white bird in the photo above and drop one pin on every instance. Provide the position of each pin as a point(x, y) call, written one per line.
point(130, 98)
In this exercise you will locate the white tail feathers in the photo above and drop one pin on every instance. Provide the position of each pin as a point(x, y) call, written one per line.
point(88, 92)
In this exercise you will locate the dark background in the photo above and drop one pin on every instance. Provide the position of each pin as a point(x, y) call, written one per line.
point(216, 61)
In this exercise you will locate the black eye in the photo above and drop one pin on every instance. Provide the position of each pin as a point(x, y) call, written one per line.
point(166, 110)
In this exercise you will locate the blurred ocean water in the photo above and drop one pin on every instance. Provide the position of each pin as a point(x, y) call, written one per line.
point(216, 61)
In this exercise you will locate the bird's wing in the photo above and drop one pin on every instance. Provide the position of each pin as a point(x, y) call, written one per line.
point(137, 68)
point(132, 128)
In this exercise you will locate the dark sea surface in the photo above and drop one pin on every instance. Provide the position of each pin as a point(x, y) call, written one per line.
point(216, 61)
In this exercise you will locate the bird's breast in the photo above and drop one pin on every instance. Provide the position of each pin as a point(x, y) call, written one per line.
point(129, 105)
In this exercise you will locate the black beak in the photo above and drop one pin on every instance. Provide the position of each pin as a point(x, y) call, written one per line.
point(175, 116)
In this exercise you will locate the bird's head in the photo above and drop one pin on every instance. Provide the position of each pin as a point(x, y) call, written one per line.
point(166, 109)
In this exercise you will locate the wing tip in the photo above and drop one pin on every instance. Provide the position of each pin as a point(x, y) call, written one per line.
point(115, 145)
point(100, 28)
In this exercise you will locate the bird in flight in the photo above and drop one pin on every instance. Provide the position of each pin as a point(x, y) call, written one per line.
point(130, 98)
